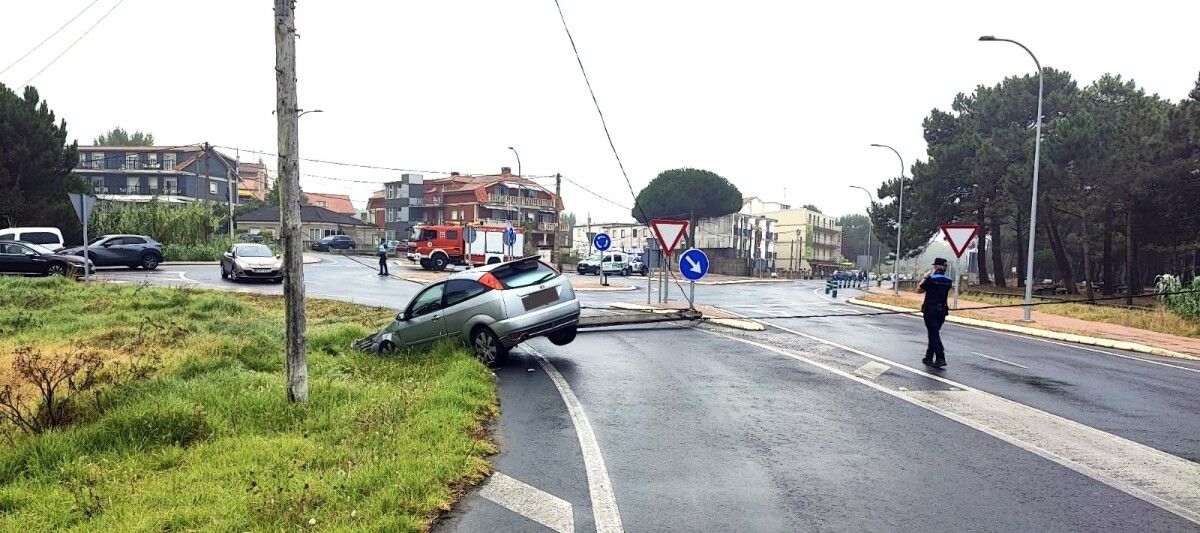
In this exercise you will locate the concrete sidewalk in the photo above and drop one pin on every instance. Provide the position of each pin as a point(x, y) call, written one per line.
point(1059, 327)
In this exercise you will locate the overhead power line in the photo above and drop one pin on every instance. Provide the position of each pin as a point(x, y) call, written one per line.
point(47, 39)
point(73, 43)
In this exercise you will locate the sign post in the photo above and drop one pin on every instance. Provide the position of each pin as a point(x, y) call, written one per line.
point(510, 238)
point(83, 204)
point(602, 242)
point(693, 264)
point(668, 233)
point(959, 236)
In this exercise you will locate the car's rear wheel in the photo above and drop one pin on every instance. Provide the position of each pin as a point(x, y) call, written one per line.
point(224, 274)
point(563, 336)
point(56, 269)
point(625, 272)
point(439, 262)
point(149, 261)
point(486, 346)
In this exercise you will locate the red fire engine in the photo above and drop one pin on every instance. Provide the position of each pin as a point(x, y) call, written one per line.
point(436, 246)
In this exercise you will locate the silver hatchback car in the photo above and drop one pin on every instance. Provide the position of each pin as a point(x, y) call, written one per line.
point(491, 308)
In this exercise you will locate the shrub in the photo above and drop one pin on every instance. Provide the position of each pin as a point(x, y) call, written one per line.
point(1181, 299)
point(57, 380)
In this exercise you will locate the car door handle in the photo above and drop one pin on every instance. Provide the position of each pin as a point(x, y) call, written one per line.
point(436, 318)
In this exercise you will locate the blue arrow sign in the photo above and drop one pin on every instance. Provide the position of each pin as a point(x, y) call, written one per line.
point(469, 234)
point(602, 241)
point(693, 264)
point(510, 236)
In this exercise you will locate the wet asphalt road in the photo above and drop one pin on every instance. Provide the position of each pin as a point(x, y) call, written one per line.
point(700, 431)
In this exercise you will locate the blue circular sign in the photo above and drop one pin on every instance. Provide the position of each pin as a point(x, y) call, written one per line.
point(510, 236)
point(602, 241)
point(469, 234)
point(693, 264)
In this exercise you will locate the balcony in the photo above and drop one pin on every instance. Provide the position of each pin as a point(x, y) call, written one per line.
point(115, 164)
point(143, 191)
point(520, 201)
point(547, 226)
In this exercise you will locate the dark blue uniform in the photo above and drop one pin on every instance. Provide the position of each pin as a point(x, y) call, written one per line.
point(936, 288)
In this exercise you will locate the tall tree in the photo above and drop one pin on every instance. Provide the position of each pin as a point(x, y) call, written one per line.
point(687, 193)
point(812, 208)
point(855, 229)
point(35, 165)
point(120, 137)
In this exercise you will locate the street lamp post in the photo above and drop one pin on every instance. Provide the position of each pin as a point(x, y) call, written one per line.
point(520, 220)
point(899, 222)
point(1037, 156)
point(870, 263)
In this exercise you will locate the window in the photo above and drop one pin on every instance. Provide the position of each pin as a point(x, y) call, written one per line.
point(98, 185)
point(321, 203)
point(97, 159)
point(131, 161)
point(153, 160)
point(131, 184)
point(130, 240)
point(169, 161)
point(428, 301)
point(461, 290)
point(452, 235)
point(40, 237)
point(171, 185)
point(82, 158)
point(524, 273)
point(428, 235)
point(212, 187)
point(15, 249)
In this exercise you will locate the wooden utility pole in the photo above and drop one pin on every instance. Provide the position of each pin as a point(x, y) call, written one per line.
point(289, 199)
point(557, 249)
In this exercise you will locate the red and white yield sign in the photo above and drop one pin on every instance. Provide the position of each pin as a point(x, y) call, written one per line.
point(960, 236)
point(668, 233)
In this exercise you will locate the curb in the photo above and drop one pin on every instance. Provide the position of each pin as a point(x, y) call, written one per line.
point(744, 325)
point(1042, 333)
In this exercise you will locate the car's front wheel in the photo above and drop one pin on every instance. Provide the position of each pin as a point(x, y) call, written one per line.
point(439, 262)
point(563, 336)
point(486, 346)
point(57, 269)
point(387, 348)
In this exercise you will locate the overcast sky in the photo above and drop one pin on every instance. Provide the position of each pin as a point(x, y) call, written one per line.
point(782, 98)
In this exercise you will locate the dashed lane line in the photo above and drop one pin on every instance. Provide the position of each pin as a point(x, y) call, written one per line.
point(999, 360)
point(530, 502)
point(1157, 477)
point(604, 502)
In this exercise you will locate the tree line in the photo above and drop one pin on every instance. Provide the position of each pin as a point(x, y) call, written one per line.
point(1119, 187)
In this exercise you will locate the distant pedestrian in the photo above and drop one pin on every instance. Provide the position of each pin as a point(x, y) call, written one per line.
point(935, 286)
point(383, 269)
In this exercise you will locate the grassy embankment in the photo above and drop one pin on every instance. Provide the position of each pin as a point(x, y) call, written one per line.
point(1159, 319)
point(208, 440)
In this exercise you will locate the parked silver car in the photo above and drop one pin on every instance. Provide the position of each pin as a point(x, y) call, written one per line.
point(251, 261)
point(491, 308)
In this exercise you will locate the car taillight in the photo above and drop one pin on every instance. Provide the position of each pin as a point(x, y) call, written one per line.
point(490, 281)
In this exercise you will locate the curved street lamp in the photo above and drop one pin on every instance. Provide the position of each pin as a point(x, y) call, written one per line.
point(520, 221)
point(899, 222)
point(1037, 156)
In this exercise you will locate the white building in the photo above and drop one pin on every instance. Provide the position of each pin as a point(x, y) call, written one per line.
point(626, 237)
point(739, 243)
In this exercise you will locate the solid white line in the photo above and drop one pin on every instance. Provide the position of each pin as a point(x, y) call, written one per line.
point(530, 502)
point(1060, 343)
point(604, 502)
point(1157, 477)
point(999, 360)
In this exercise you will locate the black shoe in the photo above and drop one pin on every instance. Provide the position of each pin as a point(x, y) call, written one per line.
point(939, 363)
point(927, 361)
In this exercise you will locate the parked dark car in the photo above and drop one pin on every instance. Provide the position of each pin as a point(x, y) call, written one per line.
point(27, 259)
point(251, 261)
point(333, 242)
point(132, 251)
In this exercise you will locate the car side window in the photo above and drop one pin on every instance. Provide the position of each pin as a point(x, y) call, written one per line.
point(461, 290)
point(40, 237)
point(452, 235)
point(607, 259)
point(17, 249)
point(133, 240)
point(428, 301)
point(619, 258)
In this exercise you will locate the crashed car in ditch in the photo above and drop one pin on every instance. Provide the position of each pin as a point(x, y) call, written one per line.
point(491, 309)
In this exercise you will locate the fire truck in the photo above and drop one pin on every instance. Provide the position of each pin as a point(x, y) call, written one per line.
point(438, 246)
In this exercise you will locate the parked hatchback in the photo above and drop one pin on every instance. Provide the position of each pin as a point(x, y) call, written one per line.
point(251, 261)
point(333, 242)
point(25, 259)
point(131, 251)
point(491, 308)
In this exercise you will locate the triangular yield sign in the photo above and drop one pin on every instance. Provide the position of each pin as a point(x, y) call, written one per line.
point(960, 236)
point(668, 233)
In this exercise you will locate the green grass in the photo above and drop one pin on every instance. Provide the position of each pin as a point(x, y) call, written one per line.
point(210, 443)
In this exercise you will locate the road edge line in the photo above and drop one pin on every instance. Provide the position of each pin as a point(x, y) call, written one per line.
point(604, 503)
point(1045, 334)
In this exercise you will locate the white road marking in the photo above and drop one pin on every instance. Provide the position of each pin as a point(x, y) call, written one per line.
point(873, 327)
point(872, 370)
point(604, 502)
point(530, 502)
point(999, 360)
point(1060, 343)
point(1162, 479)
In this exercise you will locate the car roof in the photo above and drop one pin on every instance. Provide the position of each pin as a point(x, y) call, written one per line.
point(478, 272)
point(31, 228)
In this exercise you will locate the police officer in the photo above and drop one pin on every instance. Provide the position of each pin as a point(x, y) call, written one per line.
point(935, 286)
point(383, 269)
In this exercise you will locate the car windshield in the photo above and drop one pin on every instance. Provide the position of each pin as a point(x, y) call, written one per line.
point(329, 238)
point(524, 273)
point(39, 248)
point(254, 250)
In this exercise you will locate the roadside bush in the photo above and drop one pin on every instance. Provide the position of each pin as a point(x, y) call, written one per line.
point(185, 225)
point(1187, 304)
point(56, 381)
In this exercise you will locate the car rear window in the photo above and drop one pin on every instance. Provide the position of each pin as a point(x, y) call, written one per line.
point(7, 237)
point(461, 290)
point(40, 237)
point(524, 273)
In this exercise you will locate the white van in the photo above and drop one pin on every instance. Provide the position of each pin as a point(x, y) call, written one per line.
point(49, 237)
